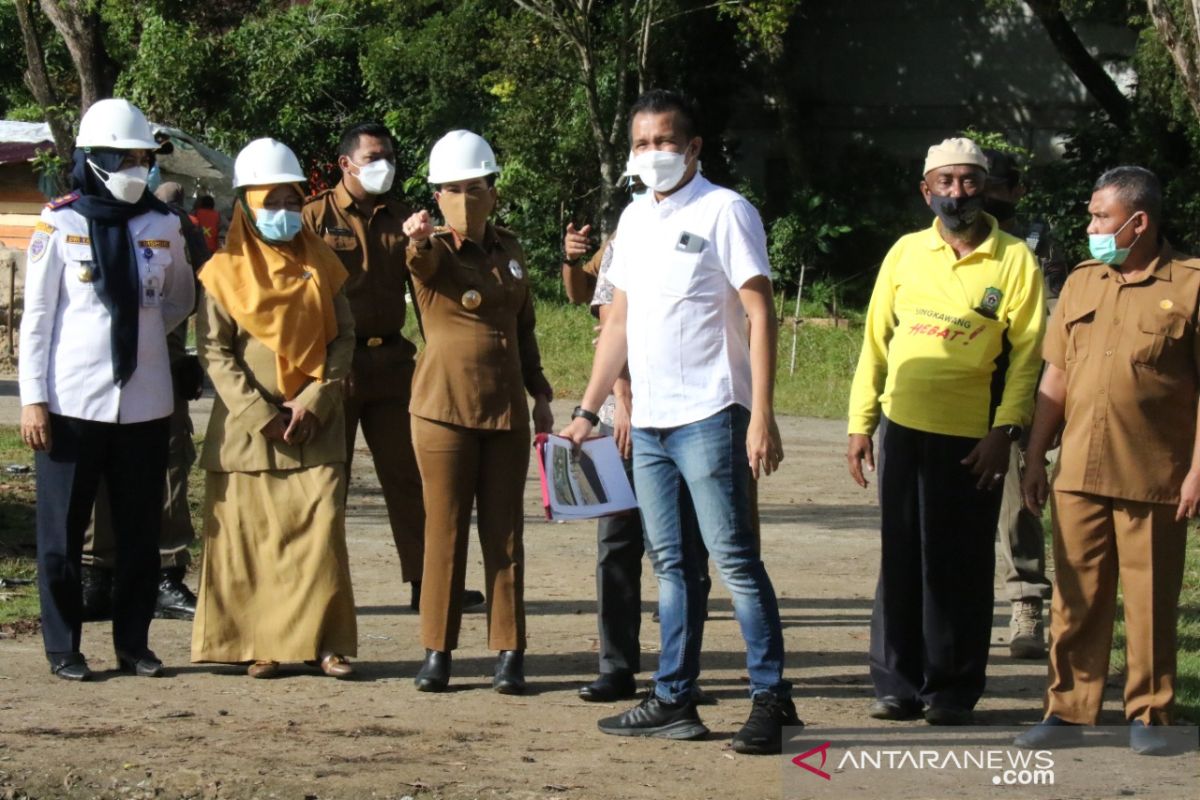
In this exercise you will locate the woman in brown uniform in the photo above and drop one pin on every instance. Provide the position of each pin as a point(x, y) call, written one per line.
point(470, 419)
point(276, 336)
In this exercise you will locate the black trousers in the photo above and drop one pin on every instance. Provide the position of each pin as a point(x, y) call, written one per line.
point(133, 461)
point(620, 545)
point(932, 621)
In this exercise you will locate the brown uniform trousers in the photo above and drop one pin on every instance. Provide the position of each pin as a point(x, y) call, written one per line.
point(372, 251)
point(471, 426)
point(1131, 353)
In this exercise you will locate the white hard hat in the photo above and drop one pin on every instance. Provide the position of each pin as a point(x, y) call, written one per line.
point(264, 162)
point(460, 156)
point(115, 123)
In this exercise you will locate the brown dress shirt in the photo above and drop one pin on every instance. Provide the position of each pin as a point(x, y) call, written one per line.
point(1131, 351)
point(372, 251)
point(477, 362)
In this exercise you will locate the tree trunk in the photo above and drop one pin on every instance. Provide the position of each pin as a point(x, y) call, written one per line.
point(38, 81)
point(1087, 69)
point(1183, 53)
point(78, 22)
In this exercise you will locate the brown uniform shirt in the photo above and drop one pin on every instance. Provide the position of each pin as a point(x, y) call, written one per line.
point(1131, 352)
point(372, 251)
point(242, 370)
point(477, 363)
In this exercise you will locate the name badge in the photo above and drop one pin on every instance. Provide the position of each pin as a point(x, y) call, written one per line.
point(690, 243)
point(152, 292)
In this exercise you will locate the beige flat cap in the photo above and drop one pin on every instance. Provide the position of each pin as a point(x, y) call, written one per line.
point(952, 152)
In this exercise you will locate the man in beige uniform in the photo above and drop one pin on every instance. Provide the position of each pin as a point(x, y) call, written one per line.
point(1123, 371)
point(363, 226)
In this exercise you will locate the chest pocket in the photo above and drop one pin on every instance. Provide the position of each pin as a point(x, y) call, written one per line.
point(79, 269)
point(340, 242)
point(680, 273)
point(1159, 333)
point(1080, 328)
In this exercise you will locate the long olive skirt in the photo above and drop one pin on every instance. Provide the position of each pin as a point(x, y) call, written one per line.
point(275, 576)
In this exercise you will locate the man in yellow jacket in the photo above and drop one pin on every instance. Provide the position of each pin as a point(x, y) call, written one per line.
point(946, 376)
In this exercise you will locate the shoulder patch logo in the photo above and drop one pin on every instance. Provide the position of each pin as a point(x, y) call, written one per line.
point(38, 245)
point(991, 299)
point(44, 227)
point(515, 269)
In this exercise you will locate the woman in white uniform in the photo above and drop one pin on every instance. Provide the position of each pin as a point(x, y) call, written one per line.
point(106, 278)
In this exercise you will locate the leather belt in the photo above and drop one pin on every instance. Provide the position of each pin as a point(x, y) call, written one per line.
point(377, 341)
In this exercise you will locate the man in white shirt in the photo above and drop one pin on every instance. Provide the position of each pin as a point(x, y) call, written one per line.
point(689, 268)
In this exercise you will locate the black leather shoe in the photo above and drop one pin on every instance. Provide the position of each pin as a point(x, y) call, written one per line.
point(896, 709)
point(510, 672)
point(97, 587)
point(656, 717)
point(144, 664)
point(69, 666)
point(763, 732)
point(949, 715)
point(1148, 740)
point(608, 687)
point(1053, 731)
point(175, 599)
point(434, 675)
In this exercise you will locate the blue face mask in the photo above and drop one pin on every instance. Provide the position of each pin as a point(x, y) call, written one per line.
point(1103, 246)
point(154, 179)
point(277, 225)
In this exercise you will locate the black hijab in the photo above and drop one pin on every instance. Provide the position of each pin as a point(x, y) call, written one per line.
point(115, 272)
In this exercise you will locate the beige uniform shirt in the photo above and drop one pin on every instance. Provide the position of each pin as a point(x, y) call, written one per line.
point(372, 249)
point(1131, 351)
point(480, 355)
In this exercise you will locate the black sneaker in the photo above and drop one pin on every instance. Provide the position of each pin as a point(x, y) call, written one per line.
point(175, 599)
point(763, 732)
point(655, 717)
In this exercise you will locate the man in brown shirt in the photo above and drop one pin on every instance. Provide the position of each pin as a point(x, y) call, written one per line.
point(365, 228)
point(1123, 372)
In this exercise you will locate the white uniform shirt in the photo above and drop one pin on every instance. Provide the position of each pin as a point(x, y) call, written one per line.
point(66, 347)
point(681, 262)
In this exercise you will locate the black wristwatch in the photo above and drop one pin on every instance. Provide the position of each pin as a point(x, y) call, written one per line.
point(580, 411)
point(1013, 432)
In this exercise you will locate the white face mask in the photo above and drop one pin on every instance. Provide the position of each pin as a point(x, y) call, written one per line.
point(660, 170)
point(376, 177)
point(127, 185)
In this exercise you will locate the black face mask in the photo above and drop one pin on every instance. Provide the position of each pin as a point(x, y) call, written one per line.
point(1002, 210)
point(956, 213)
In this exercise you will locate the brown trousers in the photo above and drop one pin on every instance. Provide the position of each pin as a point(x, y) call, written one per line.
point(462, 467)
point(379, 401)
point(1096, 540)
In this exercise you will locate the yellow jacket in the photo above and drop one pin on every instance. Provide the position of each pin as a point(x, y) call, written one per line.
point(938, 329)
point(243, 372)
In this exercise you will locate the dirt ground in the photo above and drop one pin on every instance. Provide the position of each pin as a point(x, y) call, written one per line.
point(215, 733)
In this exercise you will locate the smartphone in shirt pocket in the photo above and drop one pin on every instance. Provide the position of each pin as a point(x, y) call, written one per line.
point(683, 264)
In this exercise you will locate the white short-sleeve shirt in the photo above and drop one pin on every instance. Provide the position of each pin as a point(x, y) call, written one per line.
point(681, 262)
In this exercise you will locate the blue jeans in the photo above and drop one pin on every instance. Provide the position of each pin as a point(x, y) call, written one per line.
point(709, 457)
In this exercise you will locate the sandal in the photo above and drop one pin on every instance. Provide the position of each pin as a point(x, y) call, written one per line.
point(263, 669)
point(336, 666)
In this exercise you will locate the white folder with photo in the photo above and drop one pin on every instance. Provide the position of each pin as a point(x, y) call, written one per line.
point(583, 484)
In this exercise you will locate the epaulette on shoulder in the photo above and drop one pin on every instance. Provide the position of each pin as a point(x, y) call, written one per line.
point(65, 200)
point(318, 196)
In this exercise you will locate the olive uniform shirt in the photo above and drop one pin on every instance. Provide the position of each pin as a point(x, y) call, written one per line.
point(1131, 352)
point(372, 251)
point(478, 362)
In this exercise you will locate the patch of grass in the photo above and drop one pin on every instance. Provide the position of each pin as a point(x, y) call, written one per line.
point(819, 387)
point(18, 548)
